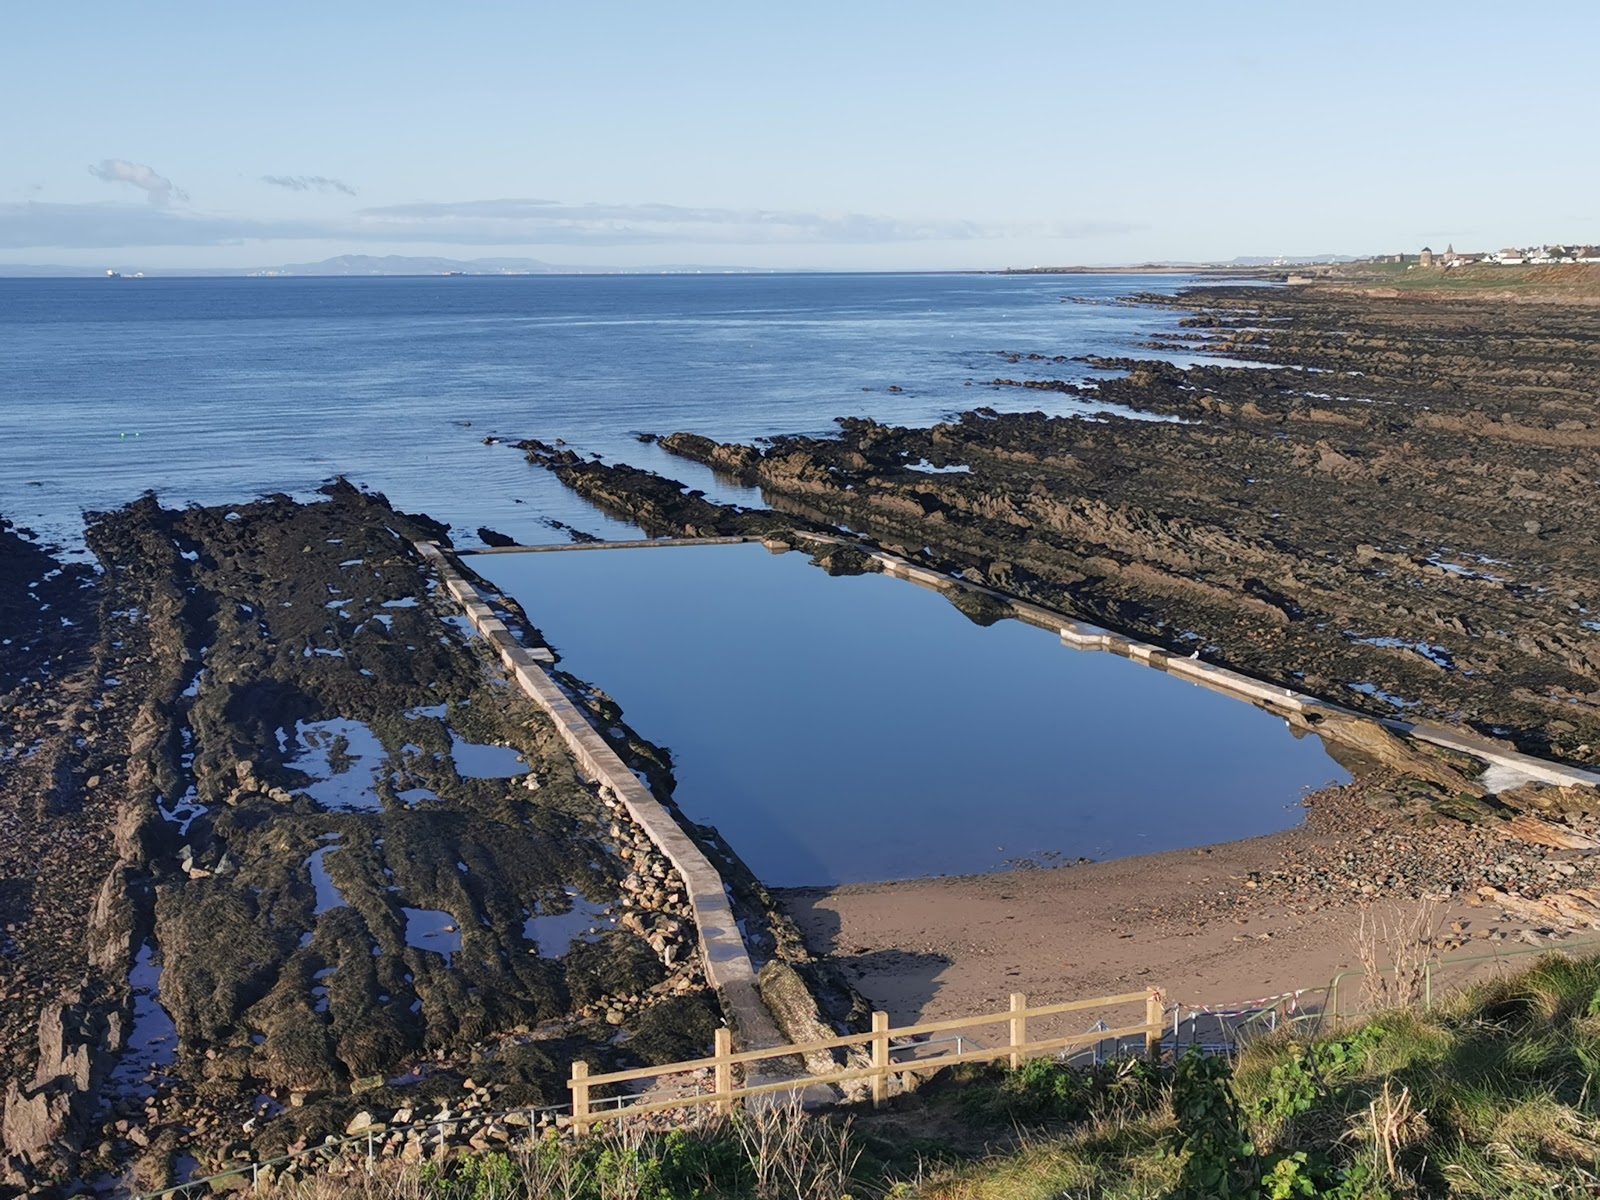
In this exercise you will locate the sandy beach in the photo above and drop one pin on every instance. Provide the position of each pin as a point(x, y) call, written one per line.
point(1186, 921)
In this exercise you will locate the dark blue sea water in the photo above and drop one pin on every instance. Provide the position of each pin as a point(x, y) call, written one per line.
point(214, 390)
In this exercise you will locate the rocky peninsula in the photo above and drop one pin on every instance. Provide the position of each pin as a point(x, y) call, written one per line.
point(1377, 499)
point(257, 769)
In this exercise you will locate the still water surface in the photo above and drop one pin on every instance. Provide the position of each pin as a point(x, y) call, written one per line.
point(840, 730)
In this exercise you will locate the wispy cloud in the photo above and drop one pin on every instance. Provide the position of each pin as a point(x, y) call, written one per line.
point(511, 222)
point(158, 188)
point(309, 183)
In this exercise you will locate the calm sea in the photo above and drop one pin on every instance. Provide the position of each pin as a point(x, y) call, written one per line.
point(219, 390)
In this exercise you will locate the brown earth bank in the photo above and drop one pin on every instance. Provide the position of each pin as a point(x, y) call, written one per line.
point(276, 775)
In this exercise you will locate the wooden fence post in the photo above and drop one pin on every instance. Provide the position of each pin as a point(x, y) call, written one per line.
point(1019, 1028)
point(880, 1057)
point(722, 1073)
point(580, 1097)
point(1155, 1016)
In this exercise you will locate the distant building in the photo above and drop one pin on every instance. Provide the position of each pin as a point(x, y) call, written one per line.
point(1426, 258)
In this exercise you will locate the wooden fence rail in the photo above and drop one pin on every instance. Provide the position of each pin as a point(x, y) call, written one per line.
point(882, 1066)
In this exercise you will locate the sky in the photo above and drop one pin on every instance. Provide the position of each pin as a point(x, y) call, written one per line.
point(854, 136)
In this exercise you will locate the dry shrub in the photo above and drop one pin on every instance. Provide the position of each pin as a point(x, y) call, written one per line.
point(792, 1155)
point(1395, 1124)
point(1396, 952)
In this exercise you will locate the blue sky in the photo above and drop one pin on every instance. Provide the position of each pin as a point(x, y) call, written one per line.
point(865, 135)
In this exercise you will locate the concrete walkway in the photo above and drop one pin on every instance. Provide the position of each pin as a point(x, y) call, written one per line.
point(638, 544)
point(722, 948)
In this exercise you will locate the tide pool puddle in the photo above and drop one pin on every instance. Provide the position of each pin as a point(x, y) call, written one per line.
point(554, 933)
point(319, 990)
point(184, 810)
point(343, 757)
point(843, 730)
point(328, 895)
point(474, 760)
point(152, 1039)
point(430, 929)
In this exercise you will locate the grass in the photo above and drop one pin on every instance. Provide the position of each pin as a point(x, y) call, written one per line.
point(1554, 281)
point(1491, 1094)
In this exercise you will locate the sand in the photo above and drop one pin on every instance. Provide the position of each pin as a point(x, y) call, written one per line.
point(1183, 921)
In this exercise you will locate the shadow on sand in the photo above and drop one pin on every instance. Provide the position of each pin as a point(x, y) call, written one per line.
point(899, 982)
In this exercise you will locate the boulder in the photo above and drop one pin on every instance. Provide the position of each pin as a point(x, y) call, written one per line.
point(1376, 746)
point(112, 924)
point(49, 1120)
point(362, 1122)
point(1532, 830)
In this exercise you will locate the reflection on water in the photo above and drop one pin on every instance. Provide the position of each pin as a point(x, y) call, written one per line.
point(344, 759)
point(431, 929)
point(845, 730)
point(152, 1039)
point(553, 933)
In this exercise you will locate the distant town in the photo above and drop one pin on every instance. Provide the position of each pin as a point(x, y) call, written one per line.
point(1510, 257)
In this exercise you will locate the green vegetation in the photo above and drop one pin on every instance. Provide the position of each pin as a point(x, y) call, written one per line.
point(1490, 1095)
point(1553, 281)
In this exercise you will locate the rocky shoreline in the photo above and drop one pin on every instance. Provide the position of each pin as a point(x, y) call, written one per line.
point(256, 763)
point(1393, 515)
point(278, 783)
point(1384, 504)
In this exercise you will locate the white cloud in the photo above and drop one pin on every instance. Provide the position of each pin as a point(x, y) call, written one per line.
point(506, 223)
point(157, 187)
point(309, 183)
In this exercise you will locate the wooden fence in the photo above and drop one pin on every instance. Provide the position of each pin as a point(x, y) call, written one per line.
point(880, 1043)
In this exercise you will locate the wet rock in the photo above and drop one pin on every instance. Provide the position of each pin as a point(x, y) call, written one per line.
point(1525, 828)
point(794, 1008)
point(846, 560)
point(1373, 742)
point(491, 537)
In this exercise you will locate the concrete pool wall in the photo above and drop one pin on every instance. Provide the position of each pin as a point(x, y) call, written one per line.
point(1513, 766)
point(722, 949)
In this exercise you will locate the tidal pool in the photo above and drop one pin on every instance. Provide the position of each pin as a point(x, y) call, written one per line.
point(844, 730)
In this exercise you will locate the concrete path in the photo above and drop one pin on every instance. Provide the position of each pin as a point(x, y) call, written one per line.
point(642, 544)
point(722, 948)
